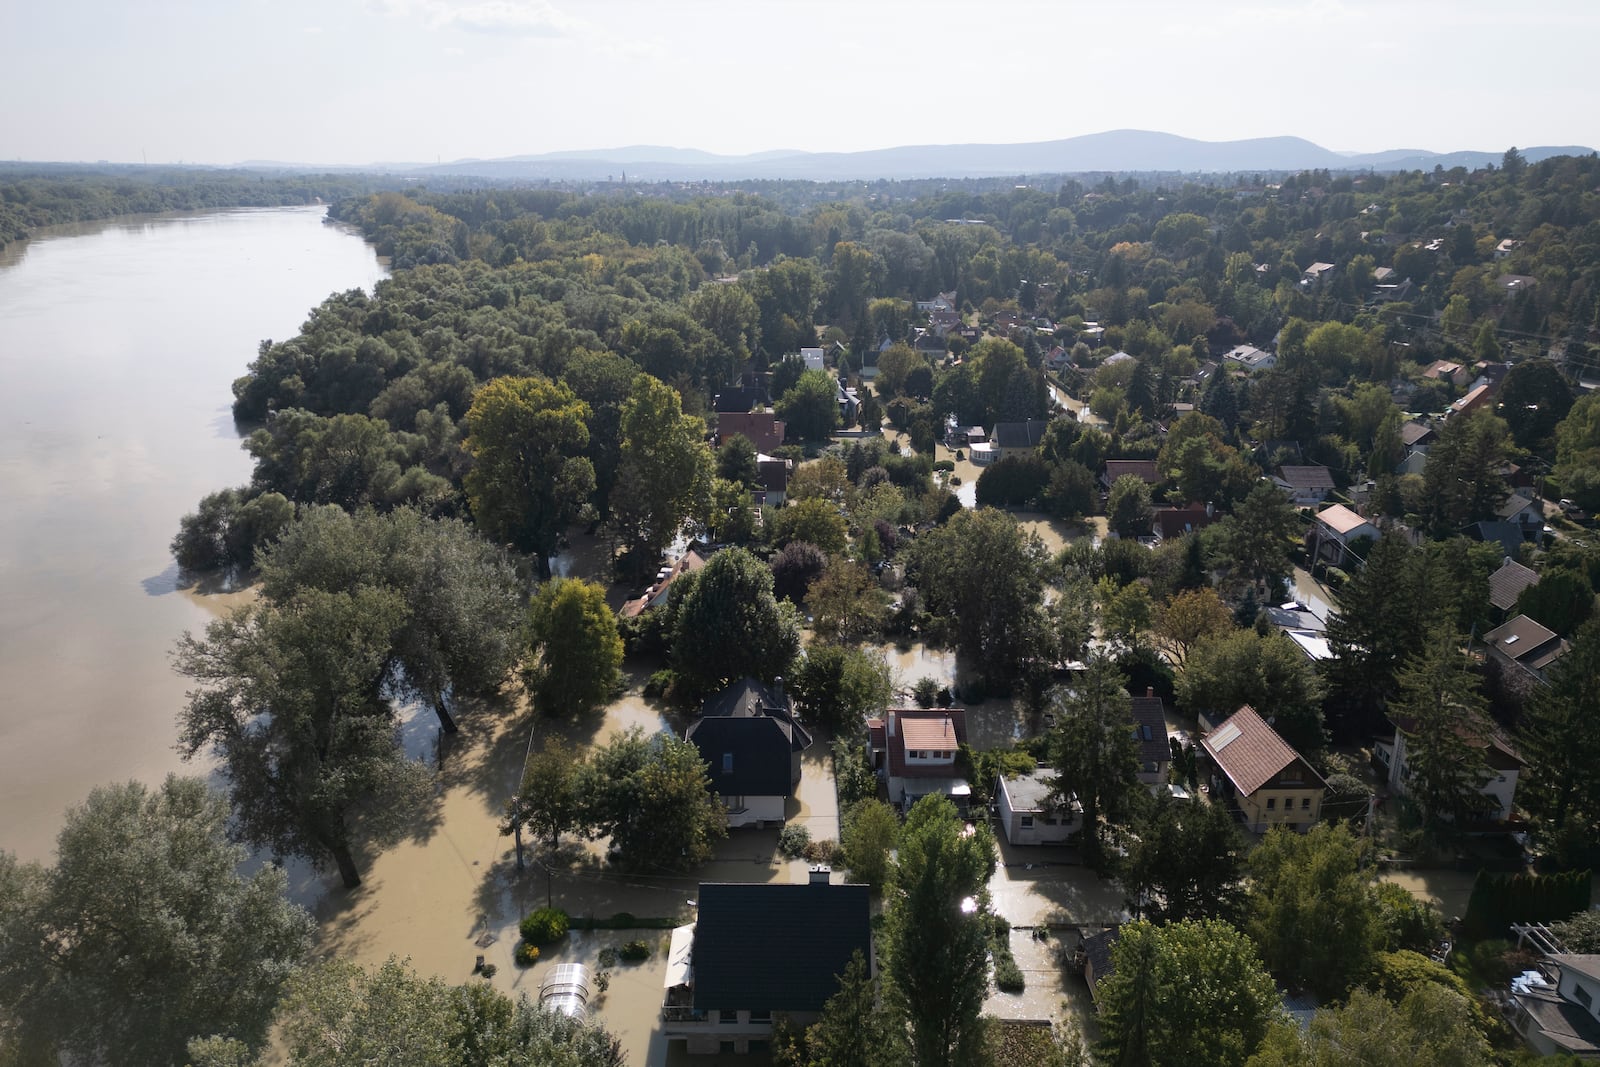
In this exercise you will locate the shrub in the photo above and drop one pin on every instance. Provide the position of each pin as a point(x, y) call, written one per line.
point(635, 952)
point(526, 955)
point(622, 920)
point(608, 958)
point(792, 841)
point(945, 466)
point(544, 926)
point(925, 691)
point(1008, 976)
point(488, 970)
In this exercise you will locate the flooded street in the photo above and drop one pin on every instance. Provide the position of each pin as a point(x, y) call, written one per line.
point(118, 346)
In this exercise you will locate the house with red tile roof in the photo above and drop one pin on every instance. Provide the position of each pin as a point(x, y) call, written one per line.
point(914, 751)
point(1259, 773)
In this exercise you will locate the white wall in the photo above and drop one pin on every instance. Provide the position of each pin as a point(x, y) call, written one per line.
point(767, 810)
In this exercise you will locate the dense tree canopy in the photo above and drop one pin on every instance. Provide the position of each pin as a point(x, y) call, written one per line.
point(143, 933)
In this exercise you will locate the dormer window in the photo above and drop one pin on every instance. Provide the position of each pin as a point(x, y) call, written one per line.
point(727, 763)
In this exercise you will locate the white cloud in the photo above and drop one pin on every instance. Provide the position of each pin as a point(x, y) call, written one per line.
point(527, 18)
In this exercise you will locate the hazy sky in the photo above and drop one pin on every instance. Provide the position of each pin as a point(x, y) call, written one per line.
point(357, 81)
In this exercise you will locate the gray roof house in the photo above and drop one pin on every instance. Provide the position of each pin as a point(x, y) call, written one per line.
point(749, 737)
point(757, 950)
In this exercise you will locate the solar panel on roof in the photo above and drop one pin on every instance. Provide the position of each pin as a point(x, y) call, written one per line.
point(1221, 739)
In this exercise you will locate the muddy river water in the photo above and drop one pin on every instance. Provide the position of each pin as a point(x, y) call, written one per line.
point(118, 344)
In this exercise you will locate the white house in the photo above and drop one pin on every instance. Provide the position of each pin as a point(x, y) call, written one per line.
point(1505, 767)
point(1251, 358)
point(1027, 814)
point(1337, 529)
point(813, 358)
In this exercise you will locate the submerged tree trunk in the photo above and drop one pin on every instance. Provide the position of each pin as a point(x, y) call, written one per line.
point(347, 866)
point(446, 723)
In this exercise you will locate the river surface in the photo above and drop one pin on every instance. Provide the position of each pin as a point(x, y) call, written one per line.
point(118, 346)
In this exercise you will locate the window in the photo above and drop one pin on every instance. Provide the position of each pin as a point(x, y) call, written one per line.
point(1272, 803)
point(728, 1018)
point(761, 1016)
point(1305, 803)
point(727, 763)
point(1027, 822)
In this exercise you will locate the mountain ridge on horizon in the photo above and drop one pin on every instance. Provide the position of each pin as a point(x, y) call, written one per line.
point(1111, 151)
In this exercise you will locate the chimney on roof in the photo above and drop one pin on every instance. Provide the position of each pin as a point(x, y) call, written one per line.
point(821, 874)
point(892, 719)
point(1149, 690)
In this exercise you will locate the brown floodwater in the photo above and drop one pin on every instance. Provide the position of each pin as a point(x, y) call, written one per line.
point(118, 344)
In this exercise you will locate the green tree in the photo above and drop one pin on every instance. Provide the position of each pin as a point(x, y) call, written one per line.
point(935, 932)
point(1534, 398)
point(1464, 473)
point(459, 634)
point(1578, 452)
point(1256, 537)
point(548, 802)
point(1445, 722)
point(143, 934)
point(981, 571)
point(1192, 993)
point(1093, 751)
point(871, 830)
point(1430, 1027)
point(664, 476)
point(1311, 909)
point(1561, 739)
point(726, 624)
point(846, 603)
point(1271, 674)
point(1562, 599)
point(857, 1028)
point(652, 798)
point(573, 635)
point(529, 477)
point(226, 529)
point(1186, 862)
point(1128, 508)
point(391, 1015)
point(736, 461)
point(813, 520)
point(1190, 617)
point(729, 314)
point(837, 686)
point(810, 408)
point(290, 700)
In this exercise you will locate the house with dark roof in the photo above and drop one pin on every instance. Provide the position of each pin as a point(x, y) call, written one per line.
point(1150, 738)
point(740, 399)
point(914, 751)
point(1028, 812)
point(749, 737)
point(772, 480)
point(1169, 522)
point(1523, 509)
point(1304, 486)
point(1017, 438)
point(758, 950)
point(1498, 789)
point(1094, 956)
point(1143, 469)
point(1557, 1009)
point(1507, 583)
point(1521, 643)
point(764, 429)
point(1268, 781)
point(1508, 535)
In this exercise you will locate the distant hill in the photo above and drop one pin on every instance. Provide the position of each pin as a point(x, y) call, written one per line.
point(1113, 151)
